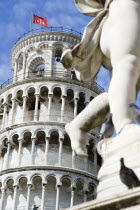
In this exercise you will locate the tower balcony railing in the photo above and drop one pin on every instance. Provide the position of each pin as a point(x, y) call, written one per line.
point(56, 75)
point(50, 29)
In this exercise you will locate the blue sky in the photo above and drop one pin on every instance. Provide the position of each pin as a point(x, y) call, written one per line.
point(15, 20)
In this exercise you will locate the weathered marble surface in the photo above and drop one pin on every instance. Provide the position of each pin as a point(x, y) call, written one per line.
point(126, 145)
point(129, 200)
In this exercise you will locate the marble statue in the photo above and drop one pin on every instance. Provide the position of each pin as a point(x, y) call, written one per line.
point(111, 39)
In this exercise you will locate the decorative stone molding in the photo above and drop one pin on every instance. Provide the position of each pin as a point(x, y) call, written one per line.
point(43, 37)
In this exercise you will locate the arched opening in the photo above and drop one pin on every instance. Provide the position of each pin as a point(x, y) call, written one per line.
point(40, 137)
point(57, 94)
point(91, 194)
point(50, 201)
point(90, 149)
point(54, 137)
point(27, 139)
point(91, 98)
point(30, 49)
point(31, 99)
point(43, 93)
point(13, 157)
point(58, 53)
point(21, 197)
point(30, 104)
point(19, 97)
point(65, 193)
point(26, 149)
point(37, 66)
point(15, 141)
point(9, 101)
point(56, 105)
point(67, 151)
point(8, 201)
point(70, 97)
point(99, 160)
point(53, 148)
point(73, 75)
point(40, 148)
point(43, 46)
point(79, 192)
point(40, 70)
point(8, 110)
point(36, 192)
point(43, 103)
point(18, 109)
point(3, 150)
point(4, 147)
point(69, 105)
point(90, 152)
point(20, 62)
point(81, 102)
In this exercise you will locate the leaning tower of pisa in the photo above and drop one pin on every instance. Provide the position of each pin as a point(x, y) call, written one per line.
point(37, 164)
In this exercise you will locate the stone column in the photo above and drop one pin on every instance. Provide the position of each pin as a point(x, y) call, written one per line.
point(24, 107)
point(15, 70)
point(12, 110)
point(28, 196)
point(2, 198)
point(32, 150)
point(27, 73)
point(36, 107)
point(95, 161)
point(57, 196)
point(7, 154)
point(51, 62)
point(4, 115)
point(2, 160)
point(50, 96)
point(24, 63)
point(14, 197)
point(73, 159)
point(60, 151)
point(86, 164)
point(19, 151)
point(46, 149)
point(75, 106)
point(43, 195)
point(62, 108)
point(72, 196)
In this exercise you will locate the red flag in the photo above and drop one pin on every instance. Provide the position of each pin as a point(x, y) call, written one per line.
point(40, 20)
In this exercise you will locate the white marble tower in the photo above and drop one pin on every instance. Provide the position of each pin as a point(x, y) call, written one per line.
point(37, 164)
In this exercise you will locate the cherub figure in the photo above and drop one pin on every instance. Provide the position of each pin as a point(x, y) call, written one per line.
point(111, 39)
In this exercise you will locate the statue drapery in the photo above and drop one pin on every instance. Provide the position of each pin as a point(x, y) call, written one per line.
point(86, 57)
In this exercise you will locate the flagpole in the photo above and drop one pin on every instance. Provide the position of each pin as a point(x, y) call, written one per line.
point(31, 19)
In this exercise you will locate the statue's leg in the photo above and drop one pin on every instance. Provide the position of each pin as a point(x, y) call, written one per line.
point(91, 117)
point(120, 43)
point(122, 90)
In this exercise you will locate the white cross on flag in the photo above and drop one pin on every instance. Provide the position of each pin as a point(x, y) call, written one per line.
point(40, 20)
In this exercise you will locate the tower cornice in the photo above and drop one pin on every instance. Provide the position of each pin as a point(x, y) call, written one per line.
point(43, 37)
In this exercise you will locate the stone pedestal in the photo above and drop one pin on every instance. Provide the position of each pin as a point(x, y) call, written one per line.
point(112, 194)
point(129, 200)
point(126, 145)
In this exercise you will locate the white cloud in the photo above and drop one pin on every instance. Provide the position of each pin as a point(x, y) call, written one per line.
point(22, 8)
